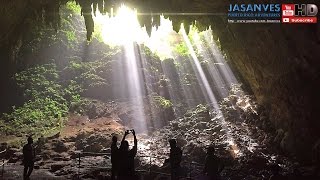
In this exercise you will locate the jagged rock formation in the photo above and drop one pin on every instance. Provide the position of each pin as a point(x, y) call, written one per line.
point(278, 62)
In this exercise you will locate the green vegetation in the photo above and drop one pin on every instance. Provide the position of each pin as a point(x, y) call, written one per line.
point(88, 74)
point(71, 36)
point(73, 6)
point(198, 110)
point(182, 49)
point(49, 95)
point(161, 102)
point(46, 102)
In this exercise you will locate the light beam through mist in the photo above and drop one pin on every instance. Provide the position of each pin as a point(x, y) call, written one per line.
point(201, 75)
point(135, 80)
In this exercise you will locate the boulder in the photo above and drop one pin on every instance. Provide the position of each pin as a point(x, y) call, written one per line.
point(3, 146)
point(287, 142)
point(11, 152)
point(95, 147)
point(13, 160)
point(279, 136)
point(57, 166)
point(59, 146)
point(54, 136)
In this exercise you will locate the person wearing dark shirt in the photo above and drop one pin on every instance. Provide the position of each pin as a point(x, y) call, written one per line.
point(126, 166)
point(175, 158)
point(28, 158)
point(213, 165)
point(114, 157)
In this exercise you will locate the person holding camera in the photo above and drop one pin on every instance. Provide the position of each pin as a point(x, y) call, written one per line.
point(126, 166)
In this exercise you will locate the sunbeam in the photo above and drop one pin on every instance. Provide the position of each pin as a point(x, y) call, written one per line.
point(201, 75)
point(223, 66)
point(215, 76)
point(135, 84)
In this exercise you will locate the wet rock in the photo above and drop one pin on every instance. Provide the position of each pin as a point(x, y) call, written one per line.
point(13, 159)
point(217, 128)
point(287, 142)
point(54, 136)
point(279, 136)
point(125, 118)
point(95, 147)
point(175, 125)
point(80, 144)
point(61, 172)
point(199, 153)
point(107, 150)
point(19, 154)
point(3, 146)
point(9, 153)
point(204, 115)
point(59, 146)
point(57, 166)
point(181, 142)
point(61, 157)
point(40, 144)
point(74, 155)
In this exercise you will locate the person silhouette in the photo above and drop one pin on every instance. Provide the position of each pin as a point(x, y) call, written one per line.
point(174, 158)
point(126, 166)
point(114, 157)
point(213, 165)
point(28, 158)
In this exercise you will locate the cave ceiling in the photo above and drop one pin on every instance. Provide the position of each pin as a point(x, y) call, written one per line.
point(15, 13)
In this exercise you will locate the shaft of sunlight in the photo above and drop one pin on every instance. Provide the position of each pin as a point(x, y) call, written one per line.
point(211, 67)
point(209, 93)
point(135, 82)
point(224, 67)
point(202, 77)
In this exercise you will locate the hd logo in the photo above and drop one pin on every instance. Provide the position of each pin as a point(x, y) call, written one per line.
point(299, 13)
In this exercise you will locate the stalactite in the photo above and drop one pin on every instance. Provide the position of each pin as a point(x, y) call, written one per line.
point(186, 27)
point(145, 20)
point(148, 25)
point(51, 13)
point(94, 6)
point(87, 14)
point(156, 21)
point(176, 23)
point(100, 6)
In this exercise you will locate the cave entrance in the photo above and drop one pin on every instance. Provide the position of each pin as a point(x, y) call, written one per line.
point(194, 68)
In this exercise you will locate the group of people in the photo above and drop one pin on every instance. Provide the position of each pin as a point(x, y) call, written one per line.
point(122, 159)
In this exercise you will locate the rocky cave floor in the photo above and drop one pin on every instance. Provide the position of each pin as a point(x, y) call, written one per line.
point(246, 150)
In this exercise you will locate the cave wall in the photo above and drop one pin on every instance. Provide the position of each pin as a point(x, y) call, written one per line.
point(278, 62)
